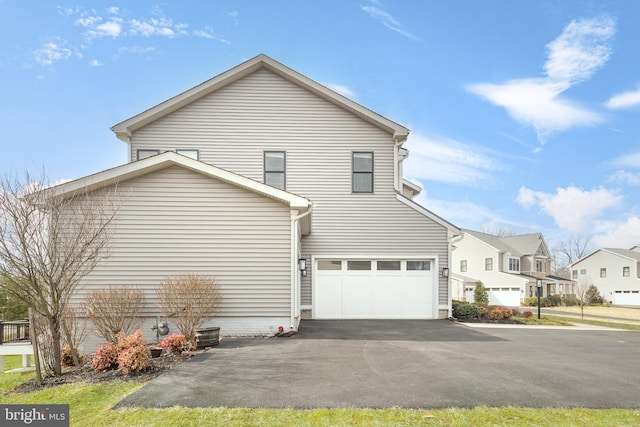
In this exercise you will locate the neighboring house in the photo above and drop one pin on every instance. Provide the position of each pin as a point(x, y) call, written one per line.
point(290, 195)
point(508, 267)
point(616, 273)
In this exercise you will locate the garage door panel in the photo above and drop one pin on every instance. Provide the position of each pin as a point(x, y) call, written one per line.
point(372, 294)
point(504, 296)
point(331, 292)
point(356, 297)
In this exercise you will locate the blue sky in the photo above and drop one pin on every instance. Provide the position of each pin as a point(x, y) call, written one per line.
point(523, 115)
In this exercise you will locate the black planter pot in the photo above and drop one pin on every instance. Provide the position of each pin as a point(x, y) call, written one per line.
point(155, 352)
point(207, 337)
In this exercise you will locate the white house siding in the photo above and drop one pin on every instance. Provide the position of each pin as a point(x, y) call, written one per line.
point(614, 280)
point(176, 221)
point(233, 126)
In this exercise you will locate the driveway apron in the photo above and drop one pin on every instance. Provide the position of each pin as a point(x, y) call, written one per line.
point(406, 363)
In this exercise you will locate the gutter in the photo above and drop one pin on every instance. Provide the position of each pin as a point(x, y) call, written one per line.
point(295, 274)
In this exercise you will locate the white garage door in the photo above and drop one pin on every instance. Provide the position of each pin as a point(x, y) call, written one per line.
point(509, 297)
point(374, 289)
point(626, 297)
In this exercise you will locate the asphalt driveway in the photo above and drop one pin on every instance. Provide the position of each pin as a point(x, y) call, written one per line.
point(411, 364)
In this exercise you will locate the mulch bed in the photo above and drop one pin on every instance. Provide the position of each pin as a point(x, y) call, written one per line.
point(86, 373)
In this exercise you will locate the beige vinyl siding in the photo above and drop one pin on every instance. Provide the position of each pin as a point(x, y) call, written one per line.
point(233, 127)
point(176, 221)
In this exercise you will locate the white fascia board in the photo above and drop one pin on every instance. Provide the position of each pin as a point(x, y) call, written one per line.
point(167, 159)
point(124, 129)
point(426, 212)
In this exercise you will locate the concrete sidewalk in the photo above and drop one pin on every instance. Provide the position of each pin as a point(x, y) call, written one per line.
point(409, 364)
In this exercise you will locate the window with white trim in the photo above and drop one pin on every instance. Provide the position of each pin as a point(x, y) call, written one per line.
point(539, 266)
point(192, 154)
point(574, 274)
point(274, 169)
point(488, 264)
point(143, 154)
point(362, 172)
point(603, 272)
point(514, 264)
point(463, 266)
point(626, 271)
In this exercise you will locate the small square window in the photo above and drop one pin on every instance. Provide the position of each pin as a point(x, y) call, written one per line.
point(143, 154)
point(193, 154)
point(362, 172)
point(583, 271)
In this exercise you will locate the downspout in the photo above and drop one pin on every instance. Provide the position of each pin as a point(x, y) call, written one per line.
point(397, 179)
point(295, 274)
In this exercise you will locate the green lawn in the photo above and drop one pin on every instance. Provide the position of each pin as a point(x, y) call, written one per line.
point(90, 404)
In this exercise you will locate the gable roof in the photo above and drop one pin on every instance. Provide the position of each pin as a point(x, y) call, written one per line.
point(524, 244)
point(125, 129)
point(624, 253)
point(161, 161)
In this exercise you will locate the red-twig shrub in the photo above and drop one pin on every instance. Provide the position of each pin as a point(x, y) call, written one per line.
point(175, 343)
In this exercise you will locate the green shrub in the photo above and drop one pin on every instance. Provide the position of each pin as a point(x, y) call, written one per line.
point(569, 300)
point(593, 296)
point(552, 301)
point(531, 302)
point(466, 311)
point(480, 295)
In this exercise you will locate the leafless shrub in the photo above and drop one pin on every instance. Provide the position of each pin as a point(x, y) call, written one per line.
point(77, 328)
point(115, 309)
point(190, 300)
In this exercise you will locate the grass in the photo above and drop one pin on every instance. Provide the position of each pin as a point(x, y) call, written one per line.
point(630, 314)
point(90, 404)
point(606, 324)
point(543, 321)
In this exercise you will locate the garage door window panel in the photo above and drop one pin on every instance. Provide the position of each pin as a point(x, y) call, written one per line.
point(329, 265)
point(359, 265)
point(388, 265)
point(418, 265)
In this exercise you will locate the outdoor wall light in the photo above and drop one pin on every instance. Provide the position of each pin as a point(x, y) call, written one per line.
point(445, 272)
point(302, 266)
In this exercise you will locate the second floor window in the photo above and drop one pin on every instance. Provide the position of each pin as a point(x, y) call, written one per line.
point(603, 272)
point(539, 266)
point(514, 264)
point(463, 265)
point(574, 274)
point(362, 172)
point(488, 264)
point(274, 169)
point(625, 271)
point(143, 154)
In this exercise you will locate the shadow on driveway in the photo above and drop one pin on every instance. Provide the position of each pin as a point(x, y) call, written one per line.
point(389, 330)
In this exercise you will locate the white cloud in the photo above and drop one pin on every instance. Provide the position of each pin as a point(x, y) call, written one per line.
point(387, 20)
point(630, 160)
point(624, 177)
point(571, 208)
point(342, 90)
point(208, 33)
point(95, 63)
point(450, 161)
point(628, 99)
point(580, 50)
point(621, 235)
point(52, 52)
point(156, 27)
point(114, 10)
point(136, 50)
point(573, 57)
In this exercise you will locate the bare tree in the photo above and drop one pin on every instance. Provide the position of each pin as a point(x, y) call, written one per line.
point(190, 300)
point(49, 241)
point(568, 251)
point(586, 293)
point(114, 310)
